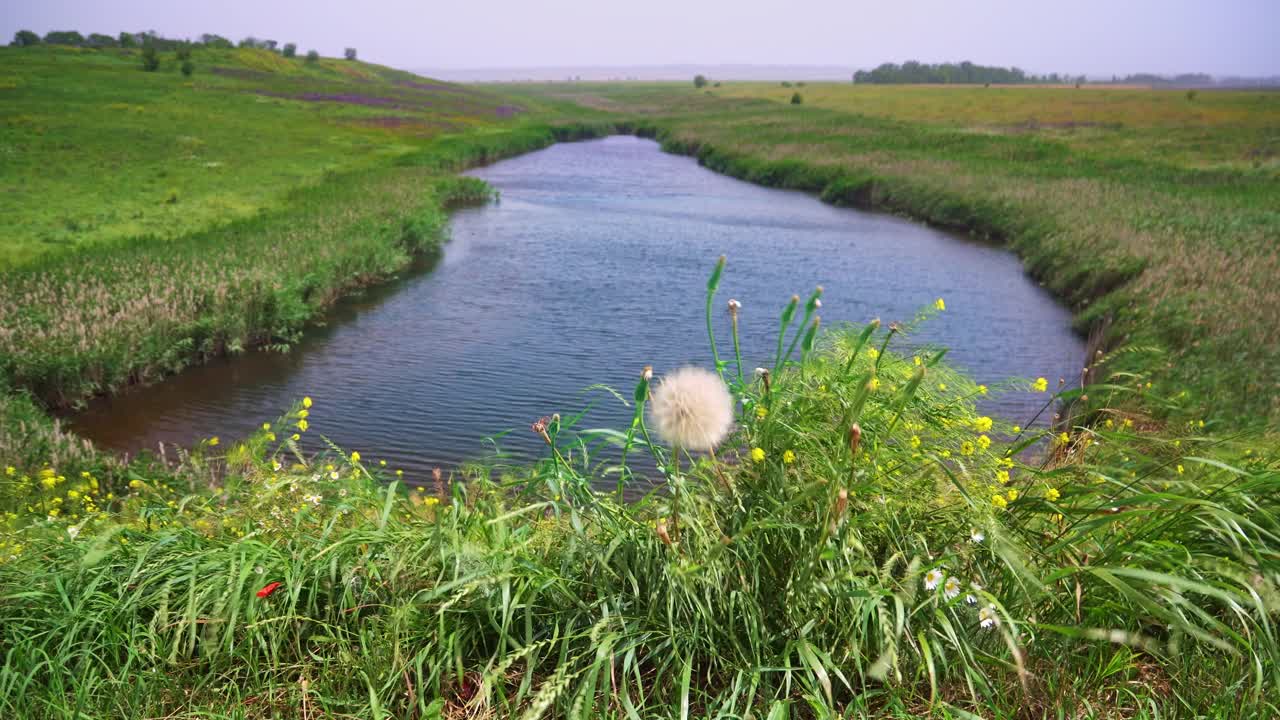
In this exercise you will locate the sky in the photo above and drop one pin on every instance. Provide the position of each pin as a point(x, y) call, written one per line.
point(1093, 37)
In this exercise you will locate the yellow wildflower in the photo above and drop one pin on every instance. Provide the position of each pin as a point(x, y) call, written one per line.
point(1064, 439)
point(788, 457)
point(135, 484)
point(873, 384)
point(1109, 423)
point(942, 387)
point(1181, 469)
point(266, 426)
point(982, 424)
point(431, 501)
point(1052, 494)
point(873, 353)
point(915, 441)
point(1017, 429)
point(940, 304)
point(355, 457)
point(296, 437)
point(399, 473)
point(1041, 385)
point(999, 501)
point(917, 360)
point(306, 402)
point(302, 425)
point(1012, 494)
point(49, 482)
point(304, 414)
point(984, 442)
point(761, 411)
point(271, 437)
point(966, 448)
point(757, 454)
point(10, 470)
point(982, 389)
point(213, 441)
point(1002, 476)
point(382, 463)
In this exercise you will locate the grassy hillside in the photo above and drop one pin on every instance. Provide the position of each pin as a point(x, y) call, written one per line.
point(95, 149)
point(151, 214)
point(1155, 215)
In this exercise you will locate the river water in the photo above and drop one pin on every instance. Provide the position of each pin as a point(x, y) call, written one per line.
point(593, 265)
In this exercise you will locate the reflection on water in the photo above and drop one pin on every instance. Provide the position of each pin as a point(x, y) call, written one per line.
point(593, 265)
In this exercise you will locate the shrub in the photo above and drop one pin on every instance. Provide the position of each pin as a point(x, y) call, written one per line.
point(349, 53)
point(1191, 95)
point(150, 58)
point(290, 50)
point(786, 83)
point(313, 57)
point(25, 38)
point(188, 67)
point(183, 51)
point(699, 81)
point(796, 99)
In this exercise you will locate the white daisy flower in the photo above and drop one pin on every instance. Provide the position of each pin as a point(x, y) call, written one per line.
point(976, 536)
point(951, 588)
point(259, 569)
point(73, 531)
point(334, 475)
point(987, 617)
point(932, 578)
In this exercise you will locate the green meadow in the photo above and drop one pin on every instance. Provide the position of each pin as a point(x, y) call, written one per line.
point(840, 535)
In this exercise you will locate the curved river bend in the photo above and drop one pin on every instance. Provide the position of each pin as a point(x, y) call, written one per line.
point(592, 265)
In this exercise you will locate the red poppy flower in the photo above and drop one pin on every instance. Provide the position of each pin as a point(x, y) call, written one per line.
point(270, 588)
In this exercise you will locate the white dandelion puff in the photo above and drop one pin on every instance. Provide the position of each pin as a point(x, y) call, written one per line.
point(692, 409)
point(951, 588)
point(932, 578)
point(987, 617)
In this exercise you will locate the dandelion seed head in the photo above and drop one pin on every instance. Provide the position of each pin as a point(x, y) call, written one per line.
point(692, 409)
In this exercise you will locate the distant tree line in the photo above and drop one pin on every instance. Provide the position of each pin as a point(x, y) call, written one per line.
point(965, 72)
point(1185, 79)
point(158, 43)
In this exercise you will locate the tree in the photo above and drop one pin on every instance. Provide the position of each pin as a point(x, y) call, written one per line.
point(349, 53)
point(215, 41)
point(150, 58)
point(313, 57)
point(796, 99)
point(101, 41)
point(127, 40)
point(268, 45)
point(290, 50)
point(699, 81)
point(184, 51)
point(188, 67)
point(63, 37)
point(25, 38)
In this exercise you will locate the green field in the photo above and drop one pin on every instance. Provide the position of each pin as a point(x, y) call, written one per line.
point(862, 543)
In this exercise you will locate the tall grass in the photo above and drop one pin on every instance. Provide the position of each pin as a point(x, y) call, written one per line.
point(863, 544)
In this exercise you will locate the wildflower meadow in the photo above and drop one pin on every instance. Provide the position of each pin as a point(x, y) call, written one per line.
point(840, 534)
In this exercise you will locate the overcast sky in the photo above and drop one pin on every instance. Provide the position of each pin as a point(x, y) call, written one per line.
point(1097, 37)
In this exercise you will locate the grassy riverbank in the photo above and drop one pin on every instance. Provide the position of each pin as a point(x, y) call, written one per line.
point(294, 188)
point(866, 545)
point(1154, 215)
